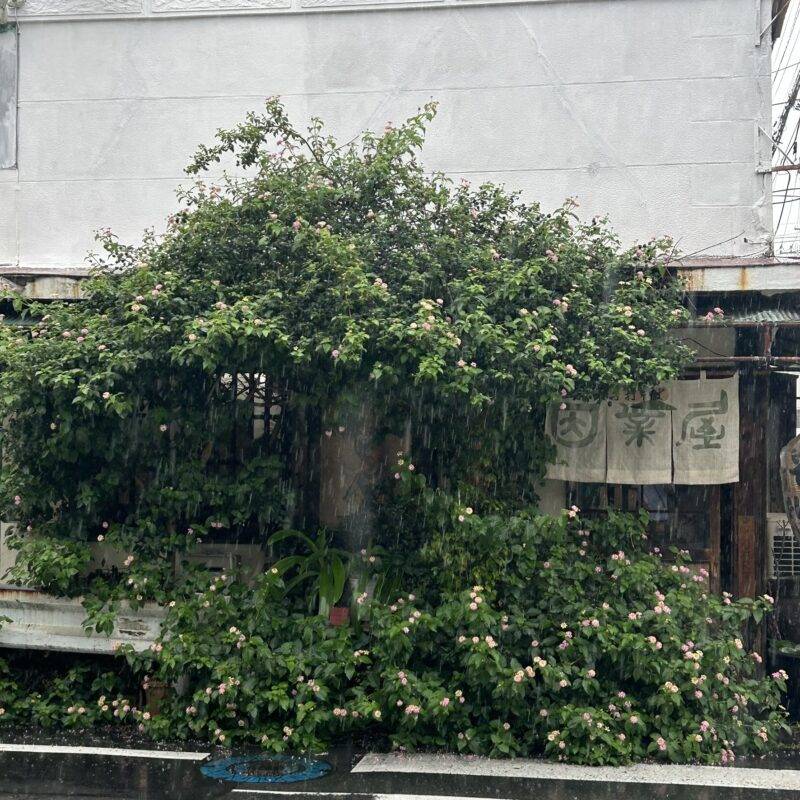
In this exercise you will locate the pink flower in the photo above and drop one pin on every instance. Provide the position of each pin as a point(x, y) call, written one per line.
point(106, 395)
point(296, 225)
point(334, 353)
point(17, 500)
point(662, 745)
point(445, 701)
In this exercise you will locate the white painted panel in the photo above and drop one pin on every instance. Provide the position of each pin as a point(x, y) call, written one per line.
point(723, 184)
point(531, 44)
point(550, 129)
point(57, 220)
point(8, 222)
point(641, 202)
point(126, 138)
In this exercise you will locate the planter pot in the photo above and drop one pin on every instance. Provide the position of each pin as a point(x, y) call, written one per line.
point(340, 615)
point(155, 694)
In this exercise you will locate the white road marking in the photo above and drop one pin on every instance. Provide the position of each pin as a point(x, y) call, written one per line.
point(305, 794)
point(428, 797)
point(174, 755)
point(364, 794)
point(669, 774)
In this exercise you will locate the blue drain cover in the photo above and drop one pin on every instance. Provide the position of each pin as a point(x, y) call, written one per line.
point(277, 768)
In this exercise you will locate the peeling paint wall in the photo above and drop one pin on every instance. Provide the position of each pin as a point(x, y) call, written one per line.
point(647, 110)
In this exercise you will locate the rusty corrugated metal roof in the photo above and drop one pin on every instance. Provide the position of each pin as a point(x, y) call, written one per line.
point(766, 315)
point(763, 316)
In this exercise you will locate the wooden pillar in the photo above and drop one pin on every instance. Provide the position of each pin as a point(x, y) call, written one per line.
point(750, 493)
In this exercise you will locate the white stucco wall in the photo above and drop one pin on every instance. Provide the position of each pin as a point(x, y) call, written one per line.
point(647, 110)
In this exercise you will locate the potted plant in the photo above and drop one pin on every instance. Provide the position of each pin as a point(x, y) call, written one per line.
point(323, 568)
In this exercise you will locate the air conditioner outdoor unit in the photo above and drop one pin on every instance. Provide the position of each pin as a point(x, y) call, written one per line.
point(247, 559)
point(784, 547)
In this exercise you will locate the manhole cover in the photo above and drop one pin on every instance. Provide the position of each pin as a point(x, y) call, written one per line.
point(266, 769)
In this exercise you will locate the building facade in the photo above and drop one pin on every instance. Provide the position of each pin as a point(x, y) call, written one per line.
point(656, 113)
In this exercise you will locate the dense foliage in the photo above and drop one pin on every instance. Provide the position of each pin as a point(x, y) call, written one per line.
point(189, 396)
point(579, 644)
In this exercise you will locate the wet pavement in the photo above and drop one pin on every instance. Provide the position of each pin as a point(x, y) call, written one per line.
point(103, 776)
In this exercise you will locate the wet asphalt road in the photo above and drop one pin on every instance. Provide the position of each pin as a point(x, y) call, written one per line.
point(39, 776)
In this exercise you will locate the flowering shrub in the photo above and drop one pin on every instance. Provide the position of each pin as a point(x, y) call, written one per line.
point(52, 690)
point(329, 278)
point(586, 647)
